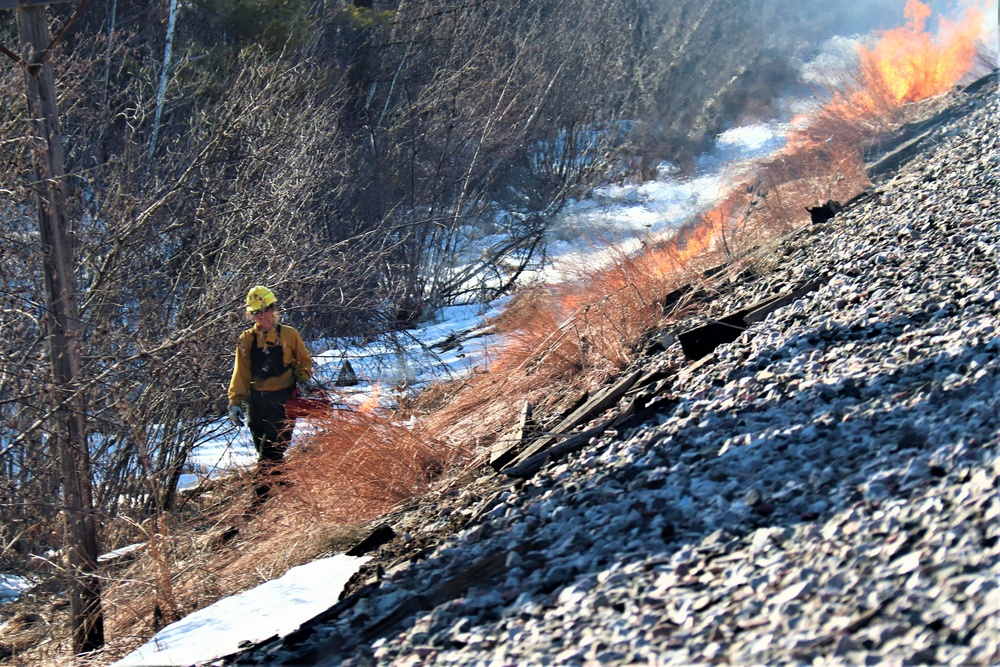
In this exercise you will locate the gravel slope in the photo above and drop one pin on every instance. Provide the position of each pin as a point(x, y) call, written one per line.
point(823, 491)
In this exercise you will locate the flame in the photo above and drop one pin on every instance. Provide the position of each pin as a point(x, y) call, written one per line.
point(911, 64)
point(902, 65)
point(899, 66)
point(370, 404)
point(667, 259)
point(706, 235)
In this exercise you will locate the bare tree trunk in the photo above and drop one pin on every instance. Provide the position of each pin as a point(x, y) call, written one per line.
point(112, 12)
point(63, 326)
point(168, 51)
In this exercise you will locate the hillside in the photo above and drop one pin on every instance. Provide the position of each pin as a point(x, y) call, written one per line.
point(374, 163)
point(821, 490)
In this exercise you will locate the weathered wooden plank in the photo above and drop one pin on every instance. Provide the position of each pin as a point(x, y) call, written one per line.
point(702, 340)
point(478, 573)
point(652, 376)
point(506, 447)
point(527, 467)
point(376, 538)
point(601, 401)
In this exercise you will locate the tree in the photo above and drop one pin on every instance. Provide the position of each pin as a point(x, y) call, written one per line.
point(479, 120)
point(63, 330)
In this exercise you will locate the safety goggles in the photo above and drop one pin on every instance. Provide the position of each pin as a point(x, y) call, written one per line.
point(257, 312)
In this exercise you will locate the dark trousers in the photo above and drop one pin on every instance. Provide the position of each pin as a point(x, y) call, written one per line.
point(268, 425)
point(271, 435)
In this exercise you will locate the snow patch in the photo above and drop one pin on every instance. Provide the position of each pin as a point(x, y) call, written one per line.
point(11, 586)
point(118, 553)
point(276, 607)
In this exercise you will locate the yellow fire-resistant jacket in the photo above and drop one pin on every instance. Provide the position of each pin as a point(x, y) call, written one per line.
point(296, 359)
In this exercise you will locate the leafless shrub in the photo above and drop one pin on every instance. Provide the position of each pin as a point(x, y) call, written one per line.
point(165, 258)
point(481, 120)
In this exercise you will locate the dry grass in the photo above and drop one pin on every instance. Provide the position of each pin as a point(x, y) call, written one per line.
point(574, 336)
point(542, 351)
point(559, 341)
point(358, 465)
point(192, 561)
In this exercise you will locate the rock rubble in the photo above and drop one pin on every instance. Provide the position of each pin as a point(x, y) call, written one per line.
point(824, 492)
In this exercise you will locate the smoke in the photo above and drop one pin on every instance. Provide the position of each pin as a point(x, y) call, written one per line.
point(833, 62)
point(830, 68)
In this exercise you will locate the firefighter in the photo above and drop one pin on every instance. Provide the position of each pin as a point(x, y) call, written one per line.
point(271, 360)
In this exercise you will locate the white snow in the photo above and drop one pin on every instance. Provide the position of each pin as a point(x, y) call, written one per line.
point(276, 607)
point(409, 357)
point(118, 553)
point(12, 586)
point(621, 218)
point(749, 138)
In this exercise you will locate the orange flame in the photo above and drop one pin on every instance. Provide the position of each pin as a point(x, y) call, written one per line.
point(667, 259)
point(910, 64)
point(709, 231)
point(901, 66)
point(370, 404)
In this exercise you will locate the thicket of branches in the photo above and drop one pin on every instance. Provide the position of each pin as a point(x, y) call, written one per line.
point(366, 161)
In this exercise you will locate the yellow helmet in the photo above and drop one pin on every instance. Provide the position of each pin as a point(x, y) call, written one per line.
point(259, 298)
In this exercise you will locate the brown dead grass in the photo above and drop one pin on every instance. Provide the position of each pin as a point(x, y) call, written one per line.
point(559, 340)
point(542, 351)
point(360, 464)
point(574, 336)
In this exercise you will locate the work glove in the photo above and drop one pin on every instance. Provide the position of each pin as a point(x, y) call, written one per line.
point(236, 414)
point(308, 386)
